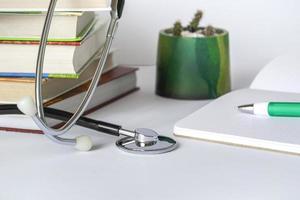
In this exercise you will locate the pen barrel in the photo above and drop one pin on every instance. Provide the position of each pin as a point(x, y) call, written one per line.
point(281, 109)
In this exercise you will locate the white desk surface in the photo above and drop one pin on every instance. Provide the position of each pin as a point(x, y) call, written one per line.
point(33, 168)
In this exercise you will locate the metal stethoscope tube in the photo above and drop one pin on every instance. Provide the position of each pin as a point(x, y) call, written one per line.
point(115, 15)
point(144, 141)
point(39, 116)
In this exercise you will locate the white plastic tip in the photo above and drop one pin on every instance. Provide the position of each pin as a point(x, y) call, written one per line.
point(26, 105)
point(83, 143)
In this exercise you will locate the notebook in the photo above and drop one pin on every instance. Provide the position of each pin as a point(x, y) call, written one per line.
point(220, 121)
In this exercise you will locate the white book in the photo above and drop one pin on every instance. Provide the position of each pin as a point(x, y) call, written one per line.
point(62, 5)
point(221, 122)
point(29, 25)
point(13, 89)
point(60, 58)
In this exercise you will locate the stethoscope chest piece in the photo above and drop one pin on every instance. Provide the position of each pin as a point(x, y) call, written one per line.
point(146, 141)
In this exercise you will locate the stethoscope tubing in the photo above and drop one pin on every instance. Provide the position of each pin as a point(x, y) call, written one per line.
point(63, 116)
point(35, 109)
point(39, 118)
point(162, 144)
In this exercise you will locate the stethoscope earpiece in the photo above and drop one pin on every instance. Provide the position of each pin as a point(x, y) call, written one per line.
point(27, 107)
point(84, 143)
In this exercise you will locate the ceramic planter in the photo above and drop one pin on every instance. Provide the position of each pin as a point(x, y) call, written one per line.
point(193, 67)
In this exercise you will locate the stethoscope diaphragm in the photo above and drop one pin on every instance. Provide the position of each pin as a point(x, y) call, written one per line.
point(146, 141)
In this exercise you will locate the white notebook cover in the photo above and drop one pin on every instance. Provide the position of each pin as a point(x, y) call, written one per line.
point(220, 121)
point(281, 75)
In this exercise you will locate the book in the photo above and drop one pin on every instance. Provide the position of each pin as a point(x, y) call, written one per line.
point(13, 89)
point(114, 85)
point(62, 5)
point(221, 122)
point(28, 26)
point(62, 59)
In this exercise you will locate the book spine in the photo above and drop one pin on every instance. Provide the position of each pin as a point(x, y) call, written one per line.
point(57, 43)
point(34, 40)
point(33, 75)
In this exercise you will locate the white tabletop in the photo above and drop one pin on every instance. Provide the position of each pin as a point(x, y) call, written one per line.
point(33, 168)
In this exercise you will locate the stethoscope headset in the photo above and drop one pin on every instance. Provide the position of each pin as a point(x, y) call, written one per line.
point(142, 141)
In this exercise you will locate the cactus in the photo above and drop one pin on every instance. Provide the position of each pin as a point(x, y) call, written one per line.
point(209, 31)
point(193, 27)
point(177, 29)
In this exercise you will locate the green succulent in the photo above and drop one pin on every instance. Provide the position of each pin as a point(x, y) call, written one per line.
point(209, 31)
point(194, 24)
point(193, 27)
point(177, 29)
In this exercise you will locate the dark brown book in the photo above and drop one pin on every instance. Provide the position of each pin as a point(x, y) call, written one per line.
point(106, 77)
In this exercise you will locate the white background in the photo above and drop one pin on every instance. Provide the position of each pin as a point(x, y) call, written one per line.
point(259, 30)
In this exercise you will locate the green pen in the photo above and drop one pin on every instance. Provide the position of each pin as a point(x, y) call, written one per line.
point(272, 109)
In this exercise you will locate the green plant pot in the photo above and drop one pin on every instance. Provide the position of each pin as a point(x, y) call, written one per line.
point(193, 67)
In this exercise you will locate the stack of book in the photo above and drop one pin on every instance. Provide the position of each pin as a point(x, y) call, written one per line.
point(76, 38)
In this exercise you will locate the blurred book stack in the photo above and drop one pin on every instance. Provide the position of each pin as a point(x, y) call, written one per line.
point(76, 38)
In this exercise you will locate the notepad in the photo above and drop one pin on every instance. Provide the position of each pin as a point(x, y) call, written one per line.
point(220, 121)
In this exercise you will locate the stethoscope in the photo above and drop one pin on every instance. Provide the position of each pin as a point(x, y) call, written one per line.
point(142, 141)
